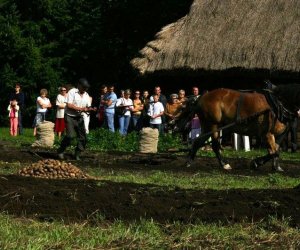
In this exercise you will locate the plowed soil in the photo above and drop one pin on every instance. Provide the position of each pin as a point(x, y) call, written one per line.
point(75, 200)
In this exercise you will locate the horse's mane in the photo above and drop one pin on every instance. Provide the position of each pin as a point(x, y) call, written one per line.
point(289, 94)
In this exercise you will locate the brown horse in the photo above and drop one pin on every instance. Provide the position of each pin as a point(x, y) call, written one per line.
point(247, 113)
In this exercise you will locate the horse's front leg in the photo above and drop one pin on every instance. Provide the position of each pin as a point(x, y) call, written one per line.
point(216, 146)
point(197, 143)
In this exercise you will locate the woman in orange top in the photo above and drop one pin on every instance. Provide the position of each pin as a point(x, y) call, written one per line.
point(172, 110)
point(138, 107)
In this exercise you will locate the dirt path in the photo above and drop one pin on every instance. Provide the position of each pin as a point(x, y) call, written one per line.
point(78, 200)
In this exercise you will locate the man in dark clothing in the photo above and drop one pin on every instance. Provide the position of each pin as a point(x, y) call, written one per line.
point(20, 98)
point(161, 98)
point(195, 95)
point(78, 101)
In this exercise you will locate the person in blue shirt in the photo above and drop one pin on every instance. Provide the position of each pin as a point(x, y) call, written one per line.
point(109, 102)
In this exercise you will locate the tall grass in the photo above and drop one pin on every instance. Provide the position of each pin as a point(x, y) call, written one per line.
point(24, 234)
point(98, 139)
point(103, 140)
point(26, 139)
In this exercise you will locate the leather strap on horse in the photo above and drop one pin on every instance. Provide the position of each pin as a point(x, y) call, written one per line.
point(238, 110)
point(242, 120)
point(281, 113)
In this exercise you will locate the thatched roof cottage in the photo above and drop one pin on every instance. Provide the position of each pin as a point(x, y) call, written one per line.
point(221, 35)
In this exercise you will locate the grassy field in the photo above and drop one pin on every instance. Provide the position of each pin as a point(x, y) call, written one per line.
point(270, 233)
point(146, 234)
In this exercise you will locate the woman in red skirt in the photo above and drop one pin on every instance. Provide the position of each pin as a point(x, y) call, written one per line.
point(60, 111)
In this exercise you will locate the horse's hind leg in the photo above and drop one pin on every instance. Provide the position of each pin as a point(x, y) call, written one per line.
point(259, 161)
point(273, 153)
point(275, 164)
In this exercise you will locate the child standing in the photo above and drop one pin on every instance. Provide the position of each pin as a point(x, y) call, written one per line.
point(13, 109)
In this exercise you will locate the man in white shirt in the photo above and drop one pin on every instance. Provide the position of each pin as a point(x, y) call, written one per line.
point(78, 101)
point(163, 100)
point(156, 110)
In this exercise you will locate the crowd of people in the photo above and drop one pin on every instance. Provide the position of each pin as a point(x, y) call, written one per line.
point(128, 111)
point(135, 110)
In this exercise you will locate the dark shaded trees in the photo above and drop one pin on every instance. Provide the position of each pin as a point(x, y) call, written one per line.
point(45, 43)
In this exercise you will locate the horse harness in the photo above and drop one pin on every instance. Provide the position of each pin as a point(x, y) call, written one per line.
point(245, 120)
point(277, 109)
point(283, 114)
point(238, 110)
point(278, 112)
point(240, 120)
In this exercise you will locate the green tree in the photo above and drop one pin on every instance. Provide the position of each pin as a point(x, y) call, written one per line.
point(45, 43)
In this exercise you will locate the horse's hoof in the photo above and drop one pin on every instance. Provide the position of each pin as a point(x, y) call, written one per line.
point(254, 165)
point(227, 167)
point(188, 164)
point(278, 169)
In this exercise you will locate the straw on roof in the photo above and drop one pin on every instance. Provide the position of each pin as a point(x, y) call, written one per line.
point(226, 34)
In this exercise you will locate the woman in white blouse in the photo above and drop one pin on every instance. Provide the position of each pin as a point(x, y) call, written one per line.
point(42, 105)
point(124, 104)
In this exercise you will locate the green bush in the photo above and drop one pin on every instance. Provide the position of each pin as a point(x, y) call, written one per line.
point(104, 140)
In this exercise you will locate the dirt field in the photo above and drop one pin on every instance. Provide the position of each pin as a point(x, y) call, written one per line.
point(78, 200)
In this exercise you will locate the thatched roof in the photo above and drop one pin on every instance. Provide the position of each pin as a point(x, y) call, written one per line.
point(227, 34)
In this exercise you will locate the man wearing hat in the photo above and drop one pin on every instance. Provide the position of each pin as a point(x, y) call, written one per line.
point(78, 101)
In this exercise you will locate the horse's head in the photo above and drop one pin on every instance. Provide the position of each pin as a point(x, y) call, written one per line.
point(269, 85)
point(289, 95)
point(183, 120)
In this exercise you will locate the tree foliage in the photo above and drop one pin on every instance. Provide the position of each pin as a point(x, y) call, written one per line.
point(45, 43)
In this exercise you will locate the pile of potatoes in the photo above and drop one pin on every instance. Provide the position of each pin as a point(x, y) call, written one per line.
point(53, 169)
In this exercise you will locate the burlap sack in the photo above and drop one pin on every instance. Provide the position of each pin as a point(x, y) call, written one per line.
point(44, 135)
point(148, 140)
